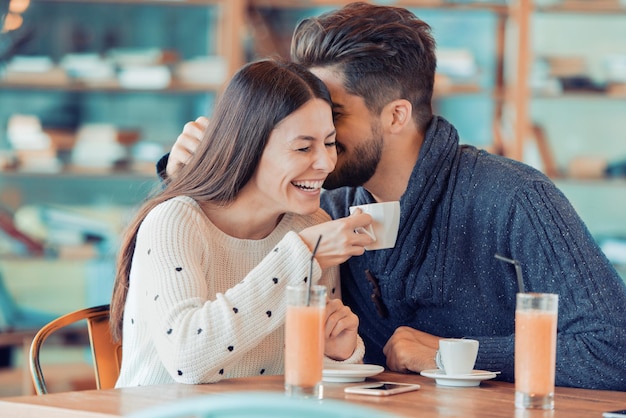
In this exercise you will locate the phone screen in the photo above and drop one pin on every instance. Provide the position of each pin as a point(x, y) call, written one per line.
point(387, 386)
point(382, 388)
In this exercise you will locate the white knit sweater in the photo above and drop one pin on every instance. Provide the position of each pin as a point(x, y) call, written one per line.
point(203, 306)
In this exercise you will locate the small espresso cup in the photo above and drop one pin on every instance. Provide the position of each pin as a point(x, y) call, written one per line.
point(457, 356)
point(385, 223)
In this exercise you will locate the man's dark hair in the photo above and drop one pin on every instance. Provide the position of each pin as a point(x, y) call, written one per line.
point(384, 53)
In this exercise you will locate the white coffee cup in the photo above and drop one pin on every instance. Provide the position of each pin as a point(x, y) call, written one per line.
point(457, 356)
point(385, 223)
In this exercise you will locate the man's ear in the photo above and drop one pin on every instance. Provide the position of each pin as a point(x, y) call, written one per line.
point(396, 115)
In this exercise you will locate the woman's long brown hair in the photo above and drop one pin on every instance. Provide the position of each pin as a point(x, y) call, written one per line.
point(259, 96)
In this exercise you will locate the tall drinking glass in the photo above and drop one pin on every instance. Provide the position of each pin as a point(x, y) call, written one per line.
point(304, 341)
point(535, 349)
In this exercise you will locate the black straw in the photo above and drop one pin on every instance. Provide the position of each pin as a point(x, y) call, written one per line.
point(518, 271)
point(308, 293)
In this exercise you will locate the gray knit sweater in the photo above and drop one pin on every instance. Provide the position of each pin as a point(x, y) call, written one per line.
point(462, 206)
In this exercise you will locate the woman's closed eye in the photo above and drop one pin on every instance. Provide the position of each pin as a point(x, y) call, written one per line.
point(326, 144)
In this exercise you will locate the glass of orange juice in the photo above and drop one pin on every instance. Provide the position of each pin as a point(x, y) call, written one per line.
point(304, 340)
point(535, 349)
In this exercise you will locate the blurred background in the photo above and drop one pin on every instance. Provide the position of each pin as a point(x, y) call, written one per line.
point(94, 92)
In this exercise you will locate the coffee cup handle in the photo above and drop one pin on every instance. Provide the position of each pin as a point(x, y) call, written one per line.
point(439, 361)
point(369, 230)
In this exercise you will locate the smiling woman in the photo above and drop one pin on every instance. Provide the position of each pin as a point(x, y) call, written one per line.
point(202, 271)
point(293, 166)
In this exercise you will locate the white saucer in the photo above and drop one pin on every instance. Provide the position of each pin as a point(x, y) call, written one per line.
point(460, 380)
point(349, 372)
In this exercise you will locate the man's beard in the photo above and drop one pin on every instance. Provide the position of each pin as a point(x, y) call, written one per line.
point(361, 165)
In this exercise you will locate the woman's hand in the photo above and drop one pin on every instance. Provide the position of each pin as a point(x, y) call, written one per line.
point(339, 241)
point(186, 145)
point(340, 330)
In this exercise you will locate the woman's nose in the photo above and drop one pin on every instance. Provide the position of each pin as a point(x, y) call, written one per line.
point(325, 160)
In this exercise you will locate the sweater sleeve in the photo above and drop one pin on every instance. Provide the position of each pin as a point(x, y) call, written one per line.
point(161, 167)
point(559, 255)
point(355, 358)
point(197, 335)
point(330, 279)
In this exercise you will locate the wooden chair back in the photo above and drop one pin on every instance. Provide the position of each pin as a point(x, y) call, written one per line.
point(107, 355)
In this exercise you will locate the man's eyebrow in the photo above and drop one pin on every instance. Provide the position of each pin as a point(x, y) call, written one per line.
point(337, 106)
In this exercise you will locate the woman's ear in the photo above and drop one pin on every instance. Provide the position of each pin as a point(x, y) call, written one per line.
point(396, 115)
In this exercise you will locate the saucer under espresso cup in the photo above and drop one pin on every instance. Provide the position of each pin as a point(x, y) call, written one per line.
point(465, 380)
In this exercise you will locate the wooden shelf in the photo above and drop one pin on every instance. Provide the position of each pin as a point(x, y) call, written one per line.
point(580, 95)
point(118, 175)
point(584, 6)
point(227, 36)
point(494, 6)
point(144, 2)
point(457, 89)
point(108, 86)
point(597, 11)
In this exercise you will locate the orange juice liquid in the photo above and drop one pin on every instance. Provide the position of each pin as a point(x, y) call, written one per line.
point(535, 352)
point(304, 345)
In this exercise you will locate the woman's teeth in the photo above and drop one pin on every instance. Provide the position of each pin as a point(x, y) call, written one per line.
point(308, 185)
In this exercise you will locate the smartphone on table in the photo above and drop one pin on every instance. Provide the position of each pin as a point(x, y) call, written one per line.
point(382, 388)
point(615, 414)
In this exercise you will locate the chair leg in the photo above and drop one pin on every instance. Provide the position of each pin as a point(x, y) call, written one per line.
point(27, 383)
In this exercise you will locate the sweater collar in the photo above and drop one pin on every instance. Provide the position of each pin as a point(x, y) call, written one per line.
point(426, 189)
